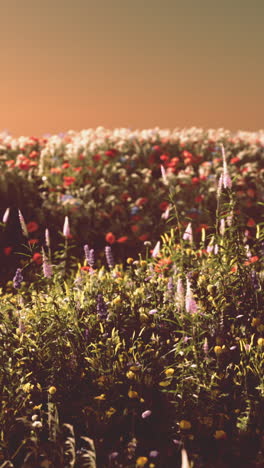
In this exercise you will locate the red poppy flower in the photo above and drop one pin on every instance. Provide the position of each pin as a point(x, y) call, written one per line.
point(37, 258)
point(33, 241)
point(163, 206)
point(141, 201)
point(134, 228)
point(33, 154)
point(110, 238)
point(251, 222)
point(121, 240)
point(253, 259)
point(32, 226)
point(8, 250)
point(69, 180)
point(144, 237)
point(65, 165)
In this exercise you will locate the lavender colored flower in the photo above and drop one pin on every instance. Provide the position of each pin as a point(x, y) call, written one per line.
point(109, 257)
point(188, 234)
point(6, 215)
point(86, 252)
point(190, 303)
point(164, 175)
point(47, 267)
point(146, 414)
point(22, 223)
point(18, 278)
point(66, 227)
point(91, 259)
point(180, 293)
point(205, 346)
point(101, 307)
point(153, 453)
point(227, 183)
point(47, 237)
point(254, 279)
point(153, 311)
point(156, 250)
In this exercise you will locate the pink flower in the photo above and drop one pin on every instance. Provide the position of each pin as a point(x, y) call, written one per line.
point(66, 228)
point(146, 414)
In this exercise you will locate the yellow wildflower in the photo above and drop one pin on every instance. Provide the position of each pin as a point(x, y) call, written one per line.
point(185, 425)
point(52, 390)
point(141, 461)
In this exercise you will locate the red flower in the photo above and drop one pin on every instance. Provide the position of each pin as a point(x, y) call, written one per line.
point(55, 170)
point(164, 157)
point(32, 226)
point(8, 250)
point(195, 180)
point(96, 157)
point(65, 165)
point(33, 241)
point(199, 198)
point(251, 222)
point(111, 153)
point(37, 258)
point(141, 201)
point(234, 160)
point(110, 238)
point(69, 180)
point(121, 240)
point(163, 206)
point(33, 154)
point(253, 259)
point(134, 228)
point(144, 237)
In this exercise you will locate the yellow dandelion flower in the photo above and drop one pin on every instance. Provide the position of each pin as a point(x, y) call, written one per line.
point(100, 397)
point(52, 390)
point(169, 372)
point(185, 425)
point(219, 434)
point(165, 383)
point(132, 394)
point(141, 461)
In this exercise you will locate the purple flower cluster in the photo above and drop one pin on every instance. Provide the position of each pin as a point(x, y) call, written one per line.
point(101, 307)
point(109, 257)
point(18, 278)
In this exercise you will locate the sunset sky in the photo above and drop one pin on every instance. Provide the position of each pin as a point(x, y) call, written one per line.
point(133, 63)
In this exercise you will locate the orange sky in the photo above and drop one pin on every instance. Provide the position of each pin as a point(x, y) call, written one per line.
point(81, 64)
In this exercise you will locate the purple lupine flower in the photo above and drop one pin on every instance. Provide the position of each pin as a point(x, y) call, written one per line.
point(66, 227)
point(86, 252)
point(91, 259)
point(21, 325)
point(109, 257)
point(190, 303)
point(156, 250)
point(6, 215)
point(254, 279)
point(222, 226)
point(153, 453)
point(164, 175)
point(47, 267)
point(216, 249)
point(101, 307)
point(18, 278)
point(220, 186)
point(146, 414)
point(166, 213)
point(22, 223)
point(47, 237)
point(188, 234)
point(227, 183)
point(180, 292)
point(205, 346)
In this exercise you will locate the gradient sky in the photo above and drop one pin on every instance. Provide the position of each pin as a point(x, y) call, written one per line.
point(131, 63)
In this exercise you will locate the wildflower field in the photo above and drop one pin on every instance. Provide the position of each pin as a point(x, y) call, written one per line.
point(132, 331)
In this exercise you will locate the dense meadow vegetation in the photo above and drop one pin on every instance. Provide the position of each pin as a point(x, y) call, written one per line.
point(132, 331)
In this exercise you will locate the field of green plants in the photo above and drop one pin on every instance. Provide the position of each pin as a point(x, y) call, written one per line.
point(132, 331)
